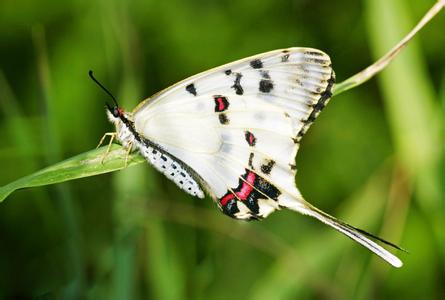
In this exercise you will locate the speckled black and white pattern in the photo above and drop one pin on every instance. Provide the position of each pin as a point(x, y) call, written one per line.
point(172, 168)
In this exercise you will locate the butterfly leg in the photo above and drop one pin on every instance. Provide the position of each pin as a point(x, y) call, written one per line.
point(130, 147)
point(112, 135)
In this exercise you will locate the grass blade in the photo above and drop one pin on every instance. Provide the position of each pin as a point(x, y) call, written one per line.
point(82, 165)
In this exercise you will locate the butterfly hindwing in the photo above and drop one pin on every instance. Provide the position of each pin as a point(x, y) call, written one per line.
point(245, 159)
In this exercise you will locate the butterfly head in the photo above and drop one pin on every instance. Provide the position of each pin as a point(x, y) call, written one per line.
point(114, 112)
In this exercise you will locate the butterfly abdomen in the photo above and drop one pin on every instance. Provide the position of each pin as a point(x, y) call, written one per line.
point(171, 167)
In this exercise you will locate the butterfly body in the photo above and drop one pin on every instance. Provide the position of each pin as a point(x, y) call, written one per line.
point(234, 131)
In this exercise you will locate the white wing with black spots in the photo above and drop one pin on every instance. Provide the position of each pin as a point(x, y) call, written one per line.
point(235, 130)
point(298, 80)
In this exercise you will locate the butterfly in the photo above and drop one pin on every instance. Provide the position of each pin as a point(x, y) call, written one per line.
point(234, 131)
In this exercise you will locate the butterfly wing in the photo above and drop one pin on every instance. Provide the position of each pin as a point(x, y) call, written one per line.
point(239, 125)
point(233, 150)
point(299, 80)
point(237, 129)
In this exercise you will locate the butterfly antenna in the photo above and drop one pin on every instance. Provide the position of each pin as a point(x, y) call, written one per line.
point(99, 84)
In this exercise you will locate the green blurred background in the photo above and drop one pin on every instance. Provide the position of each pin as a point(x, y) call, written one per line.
point(374, 157)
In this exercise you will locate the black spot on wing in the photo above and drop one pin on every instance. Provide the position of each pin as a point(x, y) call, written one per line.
point(313, 53)
point(228, 72)
point(237, 84)
point(267, 188)
point(325, 96)
point(231, 208)
point(317, 108)
point(256, 64)
point(266, 168)
point(252, 203)
point(223, 119)
point(315, 60)
point(251, 160)
point(266, 85)
point(191, 89)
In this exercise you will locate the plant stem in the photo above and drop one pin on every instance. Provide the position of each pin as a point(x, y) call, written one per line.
point(379, 65)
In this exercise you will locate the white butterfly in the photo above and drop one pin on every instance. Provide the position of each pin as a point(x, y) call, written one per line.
point(234, 131)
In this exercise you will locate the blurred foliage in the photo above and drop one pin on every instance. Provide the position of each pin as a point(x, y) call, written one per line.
point(375, 156)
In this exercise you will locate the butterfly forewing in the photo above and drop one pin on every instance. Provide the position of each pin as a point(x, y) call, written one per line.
point(294, 79)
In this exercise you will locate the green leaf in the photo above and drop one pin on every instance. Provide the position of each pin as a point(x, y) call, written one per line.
point(82, 165)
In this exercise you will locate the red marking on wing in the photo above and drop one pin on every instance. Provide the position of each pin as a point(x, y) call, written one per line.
point(250, 138)
point(221, 105)
point(247, 187)
point(229, 196)
point(243, 191)
point(251, 177)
